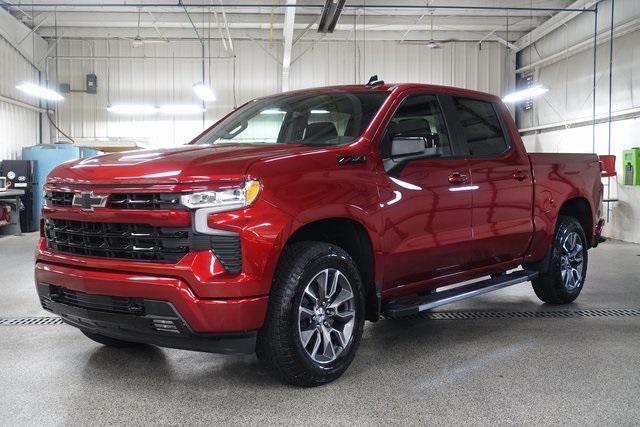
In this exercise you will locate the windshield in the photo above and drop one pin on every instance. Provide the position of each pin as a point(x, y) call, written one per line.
point(313, 119)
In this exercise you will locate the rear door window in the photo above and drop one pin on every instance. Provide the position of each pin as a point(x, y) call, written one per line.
point(481, 127)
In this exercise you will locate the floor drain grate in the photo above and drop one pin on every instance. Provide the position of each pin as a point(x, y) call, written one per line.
point(29, 321)
point(437, 315)
point(600, 312)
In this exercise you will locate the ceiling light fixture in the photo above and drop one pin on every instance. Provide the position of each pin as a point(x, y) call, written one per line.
point(330, 15)
point(204, 92)
point(521, 95)
point(40, 91)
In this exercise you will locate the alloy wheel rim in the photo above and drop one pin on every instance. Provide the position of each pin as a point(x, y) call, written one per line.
point(326, 316)
point(572, 261)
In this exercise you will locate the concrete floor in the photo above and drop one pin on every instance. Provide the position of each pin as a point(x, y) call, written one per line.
point(508, 371)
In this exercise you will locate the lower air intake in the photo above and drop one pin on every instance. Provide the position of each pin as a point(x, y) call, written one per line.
point(162, 325)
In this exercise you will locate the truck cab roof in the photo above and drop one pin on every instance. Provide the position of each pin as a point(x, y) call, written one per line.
point(397, 87)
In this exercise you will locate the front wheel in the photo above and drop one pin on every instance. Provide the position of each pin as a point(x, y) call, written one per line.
point(568, 268)
point(315, 317)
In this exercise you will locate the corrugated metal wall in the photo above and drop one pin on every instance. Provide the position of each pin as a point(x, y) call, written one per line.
point(570, 83)
point(155, 82)
point(18, 125)
point(570, 79)
point(257, 73)
point(461, 64)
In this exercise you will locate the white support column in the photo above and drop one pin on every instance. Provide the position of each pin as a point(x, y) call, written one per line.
point(287, 34)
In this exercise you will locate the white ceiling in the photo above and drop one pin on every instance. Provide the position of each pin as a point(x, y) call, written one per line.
point(259, 19)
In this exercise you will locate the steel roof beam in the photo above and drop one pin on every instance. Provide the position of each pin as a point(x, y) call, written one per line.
point(553, 23)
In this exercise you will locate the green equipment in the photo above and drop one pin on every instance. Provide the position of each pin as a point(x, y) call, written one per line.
point(631, 166)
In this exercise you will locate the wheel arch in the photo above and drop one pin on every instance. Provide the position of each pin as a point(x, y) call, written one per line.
point(353, 237)
point(580, 209)
point(577, 207)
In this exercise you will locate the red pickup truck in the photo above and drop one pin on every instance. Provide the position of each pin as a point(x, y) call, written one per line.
point(285, 225)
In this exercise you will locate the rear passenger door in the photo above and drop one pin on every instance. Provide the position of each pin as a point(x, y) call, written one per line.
point(501, 180)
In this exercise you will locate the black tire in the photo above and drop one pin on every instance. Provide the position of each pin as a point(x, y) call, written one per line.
point(108, 341)
point(550, 286)
point(279, 344)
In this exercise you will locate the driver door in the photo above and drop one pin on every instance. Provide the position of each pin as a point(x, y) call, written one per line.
point(426, 202)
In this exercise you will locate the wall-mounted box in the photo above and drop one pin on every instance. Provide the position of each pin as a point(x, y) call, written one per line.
point(92, 83)
point(631, 166)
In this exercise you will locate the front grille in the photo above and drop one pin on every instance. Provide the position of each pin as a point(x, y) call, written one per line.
point(228, 250)
point(58, 198)
point(122, 200)
point(111, 304)
point(144, 201)
point(114, 240)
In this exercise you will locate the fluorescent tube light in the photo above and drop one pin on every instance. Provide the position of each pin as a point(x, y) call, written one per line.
point(179, 109)
point(132, 109)
point(521, 95)
point(40, 91)
point(204, 92)
point(319, 112)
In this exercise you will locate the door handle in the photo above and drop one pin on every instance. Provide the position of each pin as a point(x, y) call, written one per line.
point(457, 178)
point(519, 175)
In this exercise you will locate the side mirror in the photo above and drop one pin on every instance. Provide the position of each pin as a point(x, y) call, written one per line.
point(402, 146)
point(406, 148)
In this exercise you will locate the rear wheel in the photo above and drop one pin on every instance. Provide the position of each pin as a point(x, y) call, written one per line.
point(315, 317)
point(108, 341)
point(568, 268)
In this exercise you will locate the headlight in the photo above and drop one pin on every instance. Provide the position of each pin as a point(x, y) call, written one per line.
point(223, 200)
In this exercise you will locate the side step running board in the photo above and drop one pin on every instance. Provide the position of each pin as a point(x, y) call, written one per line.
point(413, 305)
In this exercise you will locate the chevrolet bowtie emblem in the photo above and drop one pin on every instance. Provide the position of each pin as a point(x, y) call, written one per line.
point(87, 200)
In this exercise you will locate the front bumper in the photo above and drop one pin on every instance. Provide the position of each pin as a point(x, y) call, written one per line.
point(202, 315)
point(138, 320)
point(208, 297)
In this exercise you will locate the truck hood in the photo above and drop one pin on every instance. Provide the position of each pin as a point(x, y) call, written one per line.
point(187, 164)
